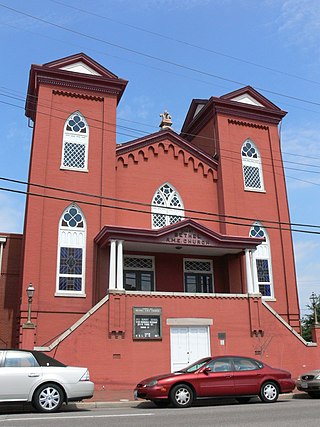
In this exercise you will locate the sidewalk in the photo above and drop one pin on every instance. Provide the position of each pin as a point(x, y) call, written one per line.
point(123, 399)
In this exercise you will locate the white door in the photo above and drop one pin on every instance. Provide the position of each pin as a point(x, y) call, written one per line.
point(188, 344)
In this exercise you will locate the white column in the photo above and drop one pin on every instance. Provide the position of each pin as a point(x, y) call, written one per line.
point(120, 265)
point(249, 274)
point(112, 265)
point(2, 242)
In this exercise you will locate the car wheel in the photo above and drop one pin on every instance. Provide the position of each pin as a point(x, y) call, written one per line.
point(181, 396)
point(161, 403)
point(48, 398)
point(269, 392)
point(314, 394)
point(243, 399)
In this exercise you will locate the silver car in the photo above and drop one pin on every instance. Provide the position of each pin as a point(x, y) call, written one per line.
point(32, 376)
point(310, 383)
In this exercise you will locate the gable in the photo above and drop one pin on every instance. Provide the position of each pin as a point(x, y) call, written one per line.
point(166, 142)
point(80, 67)
point(82, 64)
point(247, 99)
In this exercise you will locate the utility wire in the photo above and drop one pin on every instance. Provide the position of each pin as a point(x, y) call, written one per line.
point(150, 205)
point(183, 42)
point(136, 52)
point(205, 138)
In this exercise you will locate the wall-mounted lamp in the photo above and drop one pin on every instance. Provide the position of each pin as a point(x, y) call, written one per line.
point(30, 292)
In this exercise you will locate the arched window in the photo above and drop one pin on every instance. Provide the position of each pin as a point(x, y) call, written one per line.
point(252, 167)
point(71, 252)
point(75, 143)
point(261, 259)
point(167, 207)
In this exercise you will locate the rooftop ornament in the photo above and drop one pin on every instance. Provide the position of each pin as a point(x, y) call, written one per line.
point(166, 121)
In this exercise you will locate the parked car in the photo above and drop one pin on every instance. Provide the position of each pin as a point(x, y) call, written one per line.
point(32, 376)
point(228, 376)
point(310, 383)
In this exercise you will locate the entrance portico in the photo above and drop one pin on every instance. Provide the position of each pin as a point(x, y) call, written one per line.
point(182, 242)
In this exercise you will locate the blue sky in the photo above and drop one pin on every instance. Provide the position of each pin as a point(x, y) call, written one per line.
point(171, 52)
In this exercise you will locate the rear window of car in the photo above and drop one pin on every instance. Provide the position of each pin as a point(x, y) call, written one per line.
point(246, 364)
point(45, 360)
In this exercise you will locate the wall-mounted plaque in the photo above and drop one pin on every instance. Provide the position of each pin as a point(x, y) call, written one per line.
point(147, 323)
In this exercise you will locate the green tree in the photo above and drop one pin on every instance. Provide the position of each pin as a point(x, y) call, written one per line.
point(308, 321)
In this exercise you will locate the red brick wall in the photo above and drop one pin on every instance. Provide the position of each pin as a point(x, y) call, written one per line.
point(10, 290)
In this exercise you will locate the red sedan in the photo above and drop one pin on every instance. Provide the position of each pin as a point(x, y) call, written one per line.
point(221, 376)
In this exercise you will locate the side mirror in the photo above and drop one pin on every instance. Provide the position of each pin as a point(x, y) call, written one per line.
point(207, 370)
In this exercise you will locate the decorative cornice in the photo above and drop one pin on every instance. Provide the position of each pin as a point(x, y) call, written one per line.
point(145, 152)
point(251, 125)
point(76, 95)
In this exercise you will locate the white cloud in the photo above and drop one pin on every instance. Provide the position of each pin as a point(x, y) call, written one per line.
point(300, 20)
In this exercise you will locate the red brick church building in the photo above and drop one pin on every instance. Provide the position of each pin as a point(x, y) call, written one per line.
point(150, 254)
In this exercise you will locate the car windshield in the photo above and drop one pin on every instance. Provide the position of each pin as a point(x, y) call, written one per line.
point(196, 365)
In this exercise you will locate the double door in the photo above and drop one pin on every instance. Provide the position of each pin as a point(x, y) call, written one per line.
point(188, 344)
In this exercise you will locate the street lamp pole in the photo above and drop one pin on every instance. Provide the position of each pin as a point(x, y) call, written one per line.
point(314, 301)
point(30, 292)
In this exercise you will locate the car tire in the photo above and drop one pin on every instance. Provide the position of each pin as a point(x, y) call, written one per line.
point(181, 396)
point(314, 394)
point(243, 399)
point(269, 392)
point(48, 398)
point(161, 403)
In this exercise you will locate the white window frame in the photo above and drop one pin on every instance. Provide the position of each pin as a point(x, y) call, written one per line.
point(198, 271)
point(252, 162)
point(75, 138)
point(152, 269)
point(263, 252)
point(166, 209)
point(72, 237)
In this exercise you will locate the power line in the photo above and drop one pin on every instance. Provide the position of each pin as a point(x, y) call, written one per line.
point(146, 55)
point(150, 205)
point(183, 42)
point(187, 134)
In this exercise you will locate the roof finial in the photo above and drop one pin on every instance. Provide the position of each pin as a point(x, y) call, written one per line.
point(166, 121)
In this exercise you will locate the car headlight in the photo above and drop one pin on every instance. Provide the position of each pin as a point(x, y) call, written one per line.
point(152, 383)
point(317, 377)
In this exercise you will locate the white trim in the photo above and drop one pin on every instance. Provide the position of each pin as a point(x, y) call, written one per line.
point(2, 242)
point(167, 210)
point(189, 321)
point(252, 162)
point(73, 327)
point(77, 139)
point(72, 237)
point(295, 333)
point(249, 272)
point(257, 254)
point(112, 265)
point(120, 264)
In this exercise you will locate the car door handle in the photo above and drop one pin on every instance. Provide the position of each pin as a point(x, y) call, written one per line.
point(33, 375)
point(228, 376)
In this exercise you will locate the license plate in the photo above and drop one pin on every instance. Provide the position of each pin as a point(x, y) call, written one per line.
point(304, 384)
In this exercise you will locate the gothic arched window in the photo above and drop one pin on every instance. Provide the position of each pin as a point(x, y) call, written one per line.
point(261, 258)
point(251, 167)
point(167, 206)
point(75, 143)
point(71, 252)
